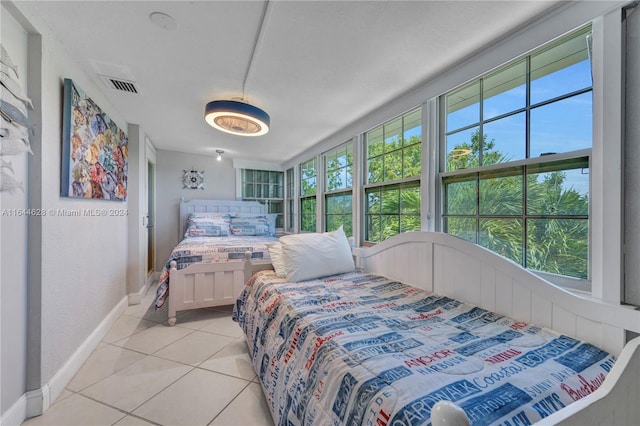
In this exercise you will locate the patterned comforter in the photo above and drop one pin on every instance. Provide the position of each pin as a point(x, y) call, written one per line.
point(360, 349)
point(211, 250)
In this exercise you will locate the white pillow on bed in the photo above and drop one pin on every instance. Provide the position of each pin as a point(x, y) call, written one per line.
point(309, 256)
point(277, 260)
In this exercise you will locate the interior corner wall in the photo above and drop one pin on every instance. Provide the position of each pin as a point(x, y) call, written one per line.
point(632, 159)
point(82, 258)
point(219, 184)
point(13, 251)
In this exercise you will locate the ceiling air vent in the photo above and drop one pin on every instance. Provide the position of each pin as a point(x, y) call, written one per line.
point(120, 84)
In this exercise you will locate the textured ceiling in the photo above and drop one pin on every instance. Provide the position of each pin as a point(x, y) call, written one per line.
point(318, 66)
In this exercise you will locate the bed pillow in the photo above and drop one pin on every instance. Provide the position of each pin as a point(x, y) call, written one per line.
point(270, 217)
point(250, 226)
point(275, 253)
point(208, 225)
point(309, 256)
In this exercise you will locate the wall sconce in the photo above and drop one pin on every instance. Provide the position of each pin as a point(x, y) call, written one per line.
point(220, 152)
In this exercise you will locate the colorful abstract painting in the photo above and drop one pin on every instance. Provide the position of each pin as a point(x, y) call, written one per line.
point(94, 150)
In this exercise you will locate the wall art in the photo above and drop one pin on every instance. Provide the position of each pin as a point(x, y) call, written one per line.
point(15, 127)
point(94, 150)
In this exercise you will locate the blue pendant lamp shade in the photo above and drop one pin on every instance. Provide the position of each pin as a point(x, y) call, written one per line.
point(237, 118)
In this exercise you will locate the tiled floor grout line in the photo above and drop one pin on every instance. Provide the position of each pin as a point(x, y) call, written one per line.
point(218, 339)
point(229, 403)
point(164, 388)
point(126, 413)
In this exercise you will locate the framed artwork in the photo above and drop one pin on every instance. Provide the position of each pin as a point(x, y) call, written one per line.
point(193, 179)
point(94, 150)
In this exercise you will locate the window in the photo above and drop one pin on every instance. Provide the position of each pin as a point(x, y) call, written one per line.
point(265, 186)
point(392, 191)
point(516, 159)
point(291, 200)
point(308, 187)
point(338, 164)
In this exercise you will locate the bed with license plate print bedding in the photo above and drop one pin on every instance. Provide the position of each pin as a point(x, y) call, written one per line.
point(360, 349)
point(211, 250)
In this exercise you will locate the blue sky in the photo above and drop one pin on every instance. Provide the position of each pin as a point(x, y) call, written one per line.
point(561, 126)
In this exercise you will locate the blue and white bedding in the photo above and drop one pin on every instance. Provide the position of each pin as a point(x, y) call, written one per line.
point(359, 349)
point(211, 250)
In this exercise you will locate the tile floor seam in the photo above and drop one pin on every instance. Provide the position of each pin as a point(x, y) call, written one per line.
point(137, 416)
point(215, 353)
point(219, 334)
point(166, 387)
point(157, 350)
point(122, 347)
point(97, 401)
point(228, 404)
point(106, 377)
point(224, 374)
point(202, 342)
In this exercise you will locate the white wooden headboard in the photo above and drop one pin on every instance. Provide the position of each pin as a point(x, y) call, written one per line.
point(216, 206)
point(450, 266)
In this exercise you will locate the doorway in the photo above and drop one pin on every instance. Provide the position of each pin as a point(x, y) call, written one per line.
point(151, 256)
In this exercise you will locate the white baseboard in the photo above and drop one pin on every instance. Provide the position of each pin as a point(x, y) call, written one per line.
point(36, 402)
point(136, 298)
point(15, 415)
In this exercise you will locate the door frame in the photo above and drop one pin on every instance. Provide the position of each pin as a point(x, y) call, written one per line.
point(150, 159)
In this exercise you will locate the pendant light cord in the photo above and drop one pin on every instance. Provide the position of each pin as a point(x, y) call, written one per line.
point(261, 29)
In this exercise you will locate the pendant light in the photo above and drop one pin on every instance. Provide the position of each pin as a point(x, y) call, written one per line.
point(237, 116)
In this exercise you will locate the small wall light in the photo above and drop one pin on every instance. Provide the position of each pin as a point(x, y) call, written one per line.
point(220, 152)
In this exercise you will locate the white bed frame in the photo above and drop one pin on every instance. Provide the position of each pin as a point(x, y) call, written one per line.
point(452, 267)
point(204, 285)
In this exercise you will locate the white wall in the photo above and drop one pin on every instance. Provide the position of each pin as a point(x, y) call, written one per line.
point(632, 160)
point(77, 265)
point(220, 183)
point(13, 232)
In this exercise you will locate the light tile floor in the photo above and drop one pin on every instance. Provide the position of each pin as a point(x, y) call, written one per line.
point(147, 373)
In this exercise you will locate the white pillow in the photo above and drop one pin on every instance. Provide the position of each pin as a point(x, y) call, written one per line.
point(309, 256)
point(275, 253)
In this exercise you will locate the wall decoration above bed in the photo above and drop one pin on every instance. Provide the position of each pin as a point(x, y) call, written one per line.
point(94, 150)
point(193, 179)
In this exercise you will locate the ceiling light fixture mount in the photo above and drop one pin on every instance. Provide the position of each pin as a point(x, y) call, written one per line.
point(239, 117)
point(164, 21)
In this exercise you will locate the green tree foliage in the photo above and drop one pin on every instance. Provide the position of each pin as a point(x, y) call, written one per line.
point(392, 210)
point(396, 208)
point(393, 159)
point(489, 209)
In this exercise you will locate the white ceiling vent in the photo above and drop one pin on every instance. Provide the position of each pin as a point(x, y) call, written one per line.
point(119, 84)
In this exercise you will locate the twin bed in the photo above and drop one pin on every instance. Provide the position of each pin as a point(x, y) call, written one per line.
point(222, 241)
point(423, 323)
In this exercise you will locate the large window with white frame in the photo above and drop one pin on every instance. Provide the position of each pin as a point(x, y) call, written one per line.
point(516, 153)
point(308, 189)
point(393, 167)
point(290, 195)
point(265, 186)
point(338, 195)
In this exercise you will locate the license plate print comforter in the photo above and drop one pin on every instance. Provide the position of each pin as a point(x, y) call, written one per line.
point(359, 349)
point(211, 250)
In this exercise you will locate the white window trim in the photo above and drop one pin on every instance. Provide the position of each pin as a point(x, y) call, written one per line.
point(606, 252)
point(606, 170)
point(351, 189)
